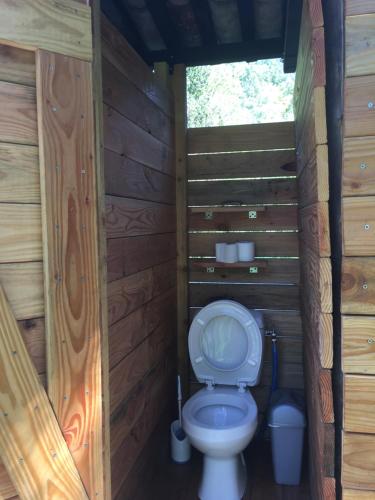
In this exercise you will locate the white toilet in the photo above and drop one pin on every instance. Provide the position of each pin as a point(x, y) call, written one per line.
point(226, 351)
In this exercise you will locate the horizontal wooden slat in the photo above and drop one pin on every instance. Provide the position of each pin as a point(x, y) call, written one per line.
point(358, 348)
point(18, 114)
point(273, 217)
point(313, 185)
point(359, 117)
point(125, 138)
point(17, 65)
point(125, 59)
point(126, 256)
point(354, 7)
point(252, 296)
point(358, 285)
point(125, 177)
point(358, 225)
point(141, 323)
point(317, 279)
point(231, 165)
point(360, 45)
point(359, 408)
point(122, 95)
point(246, 192)
point(275, 271)
point(357, 494)
point(289, 350)
point(314, 221)
point(358, 176)
point(128, 217)
point(257, 137)
point(23, 285)
point(20, 233)
point(130, 293)
point(267, 244)
point(19, 174)
point(358, 461)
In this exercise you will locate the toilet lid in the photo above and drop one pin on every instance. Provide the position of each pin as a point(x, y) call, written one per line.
point(226, 344)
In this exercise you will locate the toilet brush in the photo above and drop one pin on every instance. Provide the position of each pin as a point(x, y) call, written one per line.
point(180, 434)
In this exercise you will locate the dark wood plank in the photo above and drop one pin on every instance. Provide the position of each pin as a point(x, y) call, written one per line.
point(245, 192)
point(128, 217)
point(232, 165)
point(127, 256)
point(128, 178)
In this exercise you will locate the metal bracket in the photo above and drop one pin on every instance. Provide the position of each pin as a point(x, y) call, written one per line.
point(252, 214)
point(210, 269)
point(208, 215)
point(253, 270)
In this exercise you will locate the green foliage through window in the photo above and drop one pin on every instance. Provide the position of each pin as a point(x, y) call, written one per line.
point(238, 93)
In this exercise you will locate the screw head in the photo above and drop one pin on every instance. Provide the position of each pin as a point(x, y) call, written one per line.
point(366, 227)
point(365, 286)
point(363, 166)
point(370, 105)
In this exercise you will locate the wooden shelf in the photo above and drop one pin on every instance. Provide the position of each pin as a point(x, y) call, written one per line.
point(209, 212)
point(211, 265)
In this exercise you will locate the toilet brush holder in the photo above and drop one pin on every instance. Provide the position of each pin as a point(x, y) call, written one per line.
point(180, 444)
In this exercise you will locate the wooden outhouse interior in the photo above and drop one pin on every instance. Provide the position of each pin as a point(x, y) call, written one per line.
point(110, 208)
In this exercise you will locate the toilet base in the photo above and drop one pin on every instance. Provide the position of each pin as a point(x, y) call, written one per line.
point(223, 478)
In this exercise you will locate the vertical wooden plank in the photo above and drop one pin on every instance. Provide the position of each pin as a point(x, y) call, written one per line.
point(179, 88)
point(32, 448)
point(70, 240)
point(100, 189)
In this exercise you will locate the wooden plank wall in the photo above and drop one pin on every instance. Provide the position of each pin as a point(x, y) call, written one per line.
point(358, 223)
point(316, 276)
point(251, 164)
point(141, 256)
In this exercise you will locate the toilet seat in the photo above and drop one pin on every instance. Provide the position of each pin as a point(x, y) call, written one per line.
point(226, 345)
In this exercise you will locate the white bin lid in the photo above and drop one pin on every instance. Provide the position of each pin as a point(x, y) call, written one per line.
point(287, 410)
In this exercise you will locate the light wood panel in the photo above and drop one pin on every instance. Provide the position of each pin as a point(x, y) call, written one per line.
point(66, 135)
point(257, 137)
point(314, 234)
point(358, 344)
point(19, 174)
point(358, 461)
point(63, 26)
point(357, 494)
point(358, 176)
point(18, 123)
point(39, 463)
point(358, 286)
point(313, 183)
point(359, 225)
point(360, 45)
point(254, 164)
point(33, 334)
point(359, 114)
point(17, 65)
point(354, 7)
point(359, 408)
point(20, 233)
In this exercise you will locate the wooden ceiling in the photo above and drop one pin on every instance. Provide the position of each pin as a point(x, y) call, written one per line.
point(197, 32)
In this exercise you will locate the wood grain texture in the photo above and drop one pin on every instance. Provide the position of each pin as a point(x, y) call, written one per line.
point(18, 121)
point(359, 408)
point(63, 26)
point(19, 174)
point(358, 350)
point(358, 225)
point(261, 136)
point(23, 285)
point(33, 334)
point(17, 65)
point(20, 233)
point(355, 7)
point(358, 285)
point(313, 183)
point(231, 165)
point(314, 224)
point(348, 494)
point(360, 45)
point(126, 177)
point(71, 266)
point(127, 217)
point(358, 461)
point(358, 176)
point(39, 463)
point(359, 118)
point(7, 489)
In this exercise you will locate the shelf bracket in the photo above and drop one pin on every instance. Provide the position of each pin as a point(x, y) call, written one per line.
point(252, 214)
point(210, 269)
point(208, 215)
point(253, 270)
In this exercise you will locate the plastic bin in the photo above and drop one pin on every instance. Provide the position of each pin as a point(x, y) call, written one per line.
point(287, 423)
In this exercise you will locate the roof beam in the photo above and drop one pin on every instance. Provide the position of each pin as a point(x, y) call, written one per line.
point(291, 36)
point(224, 53)
point(164, 24)
point(246, 15)
point(206, 26)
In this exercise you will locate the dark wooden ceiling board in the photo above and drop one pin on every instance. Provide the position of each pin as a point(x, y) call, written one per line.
point(246, 13)
point(206, 26)
point(164, 23)
point(291, 37)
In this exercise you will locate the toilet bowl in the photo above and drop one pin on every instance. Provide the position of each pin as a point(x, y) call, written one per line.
point(226, 350)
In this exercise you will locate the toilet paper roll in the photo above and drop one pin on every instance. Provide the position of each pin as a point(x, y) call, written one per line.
point(246, 251)
point(220, 252)
point(231, 253)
